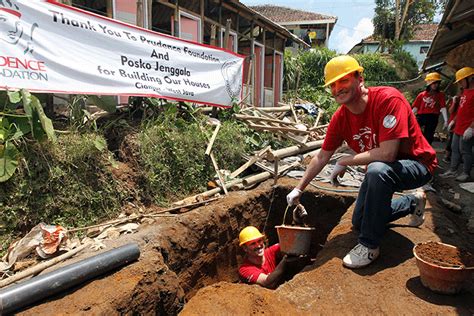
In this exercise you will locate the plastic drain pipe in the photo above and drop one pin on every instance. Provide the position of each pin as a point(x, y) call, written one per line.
point(28, 292)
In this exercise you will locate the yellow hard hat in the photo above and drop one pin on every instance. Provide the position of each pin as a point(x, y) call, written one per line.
point(432, 77)
point(249, 233)
point(338, 67)
point(464, 73)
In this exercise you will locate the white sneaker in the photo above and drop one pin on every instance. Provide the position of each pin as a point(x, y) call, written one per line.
point(418, 216)
point(360, 256)
point(464, 177)
point(448, 174)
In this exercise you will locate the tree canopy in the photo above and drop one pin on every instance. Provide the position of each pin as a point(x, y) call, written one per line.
point(395, 20)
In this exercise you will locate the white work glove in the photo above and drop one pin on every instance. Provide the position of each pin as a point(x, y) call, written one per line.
point(445, 117)
point(294, 197)
point(338, 170)
point(467, 134)
point(451, 125)
point(415, 110)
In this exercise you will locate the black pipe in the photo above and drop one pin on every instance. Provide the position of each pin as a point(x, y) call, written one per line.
point(28, 292)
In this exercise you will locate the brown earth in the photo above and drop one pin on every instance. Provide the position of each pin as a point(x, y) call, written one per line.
point(190, 261)
point(391, 285)
point(445, 256)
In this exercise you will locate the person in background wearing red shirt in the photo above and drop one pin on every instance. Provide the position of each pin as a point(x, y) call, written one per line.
point(379, 125)
point(463, 127)
point(453, 106)
point(261, 265)
point(428, 104)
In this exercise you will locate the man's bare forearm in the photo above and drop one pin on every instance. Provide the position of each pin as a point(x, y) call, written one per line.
point(314, 168)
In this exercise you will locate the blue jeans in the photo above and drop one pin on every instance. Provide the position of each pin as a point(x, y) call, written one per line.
point(461, 148)
point(374, 206)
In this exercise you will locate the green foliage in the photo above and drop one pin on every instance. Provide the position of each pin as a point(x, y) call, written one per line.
point(313, 65)
point(172, 154)
point(305, 79)
point(406, 62)
point(80, 118)
point(419, 12)
point(292, 68)
point(377, 70)
point(321, 97)
point(8, 161)
point(22, 116)
point(107, 103)
point(67, 183)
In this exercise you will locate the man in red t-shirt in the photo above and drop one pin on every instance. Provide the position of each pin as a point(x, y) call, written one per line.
point(429, 104)
point(463, 141)
point(263, 266)
point(379, 125)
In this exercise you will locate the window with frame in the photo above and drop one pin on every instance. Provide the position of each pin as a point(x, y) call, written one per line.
point(161, 18)
point(94, 6)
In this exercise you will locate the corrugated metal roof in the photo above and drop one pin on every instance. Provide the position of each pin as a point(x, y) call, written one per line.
point(456, 28)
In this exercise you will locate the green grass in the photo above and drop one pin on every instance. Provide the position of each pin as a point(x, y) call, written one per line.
point(172, 155)
point(67, 183)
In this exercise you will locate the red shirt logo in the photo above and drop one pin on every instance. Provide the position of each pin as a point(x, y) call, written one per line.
point(365, 139)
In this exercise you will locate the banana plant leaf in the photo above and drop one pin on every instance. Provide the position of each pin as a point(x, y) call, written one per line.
point(9, 155)
point(46, 123)
point(106, 103)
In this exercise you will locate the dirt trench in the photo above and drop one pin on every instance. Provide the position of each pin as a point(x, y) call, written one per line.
point(182, 254)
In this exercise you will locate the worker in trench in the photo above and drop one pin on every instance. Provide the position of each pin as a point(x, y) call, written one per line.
point(264, 266)
point(379, 125)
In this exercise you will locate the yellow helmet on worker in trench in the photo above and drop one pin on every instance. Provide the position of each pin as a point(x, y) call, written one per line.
point(464, 73)
point(339, 67)
point(249, 233)
point(432, 77)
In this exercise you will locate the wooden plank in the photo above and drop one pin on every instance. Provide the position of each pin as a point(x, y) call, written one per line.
point(320, 113)
point(219, 175)
point(262, 119)
point(213, 138)
point(250, 162)
point(276, 109)
point(266, 175)
point(320, 127)
point(277, 131)
point(281, 129)
point(294, 113)
point(293, 150)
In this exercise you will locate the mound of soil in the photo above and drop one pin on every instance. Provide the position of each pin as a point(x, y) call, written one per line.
point(445, 256)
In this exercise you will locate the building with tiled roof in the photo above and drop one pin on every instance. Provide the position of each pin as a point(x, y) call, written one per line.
point(299, 22)
point(418, 46)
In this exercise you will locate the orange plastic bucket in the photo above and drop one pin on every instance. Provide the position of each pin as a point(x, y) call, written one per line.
point(442, 279)
point(294, 240)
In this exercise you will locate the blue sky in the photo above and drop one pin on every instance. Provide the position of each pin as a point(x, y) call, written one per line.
point(354, 18)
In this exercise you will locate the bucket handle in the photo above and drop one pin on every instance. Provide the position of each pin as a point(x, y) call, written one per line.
point(284, 216)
